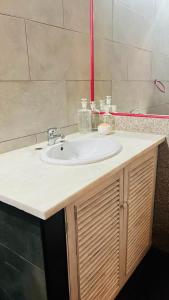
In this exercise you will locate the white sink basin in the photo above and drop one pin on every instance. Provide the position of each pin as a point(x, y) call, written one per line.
point(81, 151)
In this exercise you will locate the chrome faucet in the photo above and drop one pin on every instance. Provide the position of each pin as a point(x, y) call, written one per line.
point(55, 136)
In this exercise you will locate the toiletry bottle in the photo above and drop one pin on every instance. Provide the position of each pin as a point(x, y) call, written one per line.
point(109, 103)
point(95, 115)
point(102, 109)
point(114, 108)
point(84, 118)
point(109, 118)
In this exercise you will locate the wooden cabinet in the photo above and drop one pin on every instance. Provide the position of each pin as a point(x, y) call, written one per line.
point(109, 230)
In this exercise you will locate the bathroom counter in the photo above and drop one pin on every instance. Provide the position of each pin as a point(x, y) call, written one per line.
point(42, 189)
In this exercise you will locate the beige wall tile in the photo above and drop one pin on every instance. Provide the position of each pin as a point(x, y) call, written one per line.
point(160, 40)
point(102, 89)
point(70, 129)
point(41, 137)
point(143, 7)
point(77, 12)
point(103, 59)
point(76, 15)
point(125, 95)
point(76, 90)
point(31, 107)
point(103, 18)
point(146, 94)
point(119, 61)
point(57, 54)
point(17, 143)
point(159, 109)
point(135, 96)
point(160, 66)
point(50, 12)
point(131, 28)
point(139, 64)
point(161, 25)
point(13, 51)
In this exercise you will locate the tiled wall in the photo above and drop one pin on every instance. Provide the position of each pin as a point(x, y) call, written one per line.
point(44, 66)
point(140, 55)
point(161, 215)
point(44, 62)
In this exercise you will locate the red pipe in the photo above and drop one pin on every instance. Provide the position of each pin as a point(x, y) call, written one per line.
point(92, 92)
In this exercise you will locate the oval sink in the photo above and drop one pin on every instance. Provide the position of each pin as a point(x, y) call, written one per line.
point(82, 151)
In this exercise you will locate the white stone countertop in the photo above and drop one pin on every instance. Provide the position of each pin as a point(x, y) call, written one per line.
point(42, 189)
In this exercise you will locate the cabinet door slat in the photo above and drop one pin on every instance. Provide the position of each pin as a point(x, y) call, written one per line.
point(91, 200)
point(136, 171)
point(99, 200)
point(98, 243)
point(103, 209)
point(92, 244)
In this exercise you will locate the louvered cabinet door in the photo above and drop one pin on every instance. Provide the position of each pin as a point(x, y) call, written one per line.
point(139, 194)
point(94, 226)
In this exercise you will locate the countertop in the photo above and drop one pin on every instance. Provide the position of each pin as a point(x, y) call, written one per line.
point(42, 189)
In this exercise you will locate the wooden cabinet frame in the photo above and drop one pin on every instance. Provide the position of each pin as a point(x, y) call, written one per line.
point(125, 181)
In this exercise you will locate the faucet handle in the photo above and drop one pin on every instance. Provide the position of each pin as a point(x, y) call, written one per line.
point(52, 132)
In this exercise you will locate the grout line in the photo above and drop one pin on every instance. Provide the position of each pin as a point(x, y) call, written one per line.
point(82, 32)
point(27, 50)
point(85, 80)
point(97, 36)
point(34, 134)
point(43, 23)
point(60, 80)
point(18, 138)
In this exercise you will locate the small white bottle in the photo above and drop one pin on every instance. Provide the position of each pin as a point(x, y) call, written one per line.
point(102, 105)
point(95, 115)
point(84, 118)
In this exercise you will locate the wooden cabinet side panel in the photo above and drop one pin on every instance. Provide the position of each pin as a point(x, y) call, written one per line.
point(72, 253)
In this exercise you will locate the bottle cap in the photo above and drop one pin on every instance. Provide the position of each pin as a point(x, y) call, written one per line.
point(108, 100)
point(84, 102)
